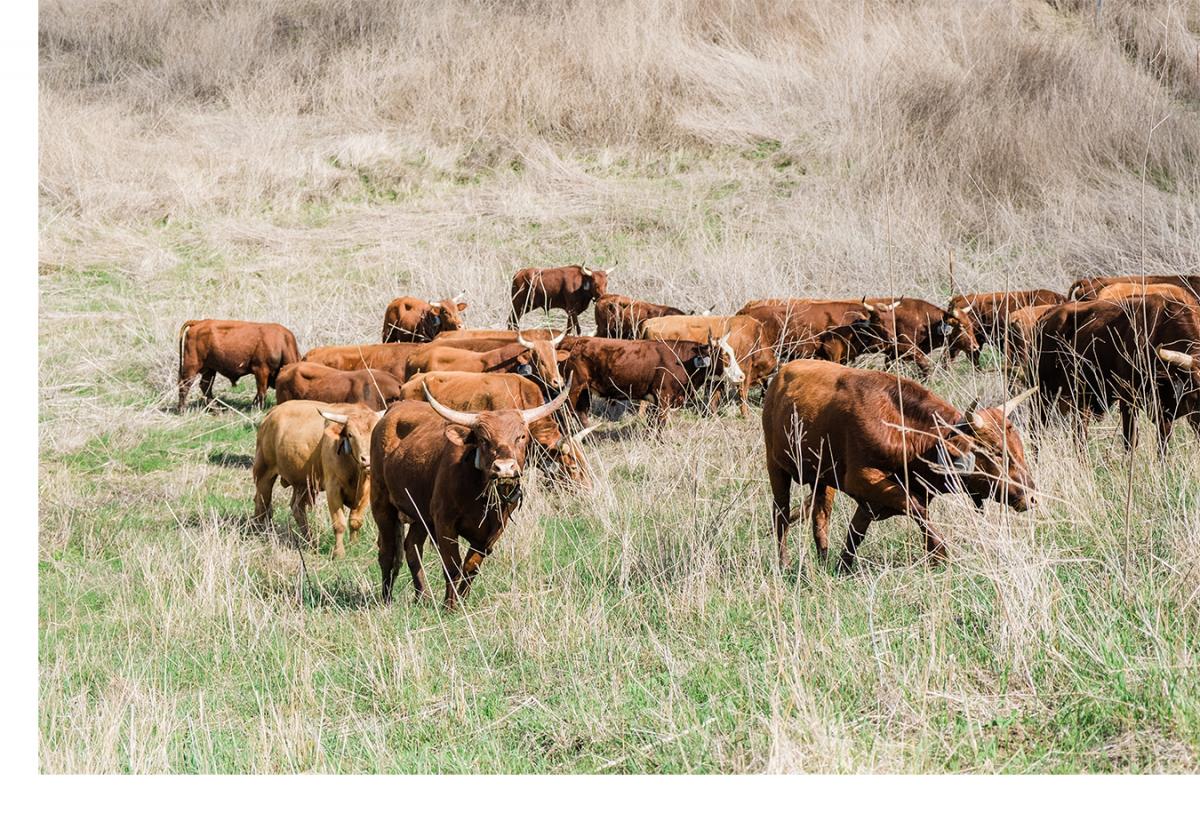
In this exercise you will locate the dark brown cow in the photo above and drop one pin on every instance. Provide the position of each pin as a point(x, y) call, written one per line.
point(573, 288)
point(1089, 287)
point(409, 319)
point(482, 392)
point(619, 317)
point(390, 357)
point(1024, 341)
point(539, 359)
point(745, 336)
point(446, 473)
point(1137, 354)
point(889, 443)
point(212, 347)
point(662, 372)
point(831, 330)
point(915, 328)
point(986, 314)
point(307, 381)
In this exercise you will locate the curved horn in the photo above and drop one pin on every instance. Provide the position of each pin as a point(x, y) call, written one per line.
point(528, 345)
point(556, 342)
point(460, 296)
point(868, 305)
point(578, 436)
point(1012, 403)
point(336, 417)
point(967, 309)
point(470, 419)
point(585, 270)
point(1175, 357)
point(537, 413)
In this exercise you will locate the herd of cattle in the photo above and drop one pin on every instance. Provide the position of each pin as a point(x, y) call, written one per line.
point(433, 426)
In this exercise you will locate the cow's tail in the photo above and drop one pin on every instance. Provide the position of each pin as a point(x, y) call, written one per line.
point(183, 332)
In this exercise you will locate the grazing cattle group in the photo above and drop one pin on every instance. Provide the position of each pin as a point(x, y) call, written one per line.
point(434, 427)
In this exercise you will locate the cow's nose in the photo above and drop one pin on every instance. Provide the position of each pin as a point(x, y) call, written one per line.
point(365, 460)
point(505, 469)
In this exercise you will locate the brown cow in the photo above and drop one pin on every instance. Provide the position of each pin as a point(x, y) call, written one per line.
point(986, 314)
point(389, 357)
point(211, 347)
point(889, 443)
point(1024, 341)
point(538, 359)
point(1124, 290)
point(447, 473)
point(313, 447)
point(914, 328)
point(664, 372)
point(745, 336)
point(1089, 287)
point(573, 288)
point(481, 392)
point(832, 330)
point(307, 381)
point(619, 317)
point(1138, 354)
point(409, 319)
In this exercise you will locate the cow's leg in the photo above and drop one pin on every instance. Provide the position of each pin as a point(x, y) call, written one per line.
point(859, 524)
point(387, 520)
point(264, 483)
point(262, 379)
point(303, 496)
point(475, 557)
point(1164, 423)
point(781, 500)
point(333, 496)
point(1128, 425)
point(822, 506)
point(207, 378)
point(744, 397)
point(187, 377)
point(358, 510)
point(934, 546)
point(451, 566)
point(414, 546)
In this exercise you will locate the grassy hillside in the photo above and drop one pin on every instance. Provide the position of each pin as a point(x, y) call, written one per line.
point(307, 162)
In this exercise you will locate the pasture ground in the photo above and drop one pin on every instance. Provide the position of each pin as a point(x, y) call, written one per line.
point(641, 626)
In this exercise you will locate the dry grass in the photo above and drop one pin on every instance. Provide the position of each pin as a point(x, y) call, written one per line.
point(307, 162)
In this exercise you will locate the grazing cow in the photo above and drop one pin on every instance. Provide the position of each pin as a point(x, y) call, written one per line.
point(447, 473)
point(573, 288)
point(1125, 290)
point(619, 317)
point(1138, 354)
point(538, 359)
point(389, 357)
point(1089, 287)
point(889, 443)
point(409, 319)
point(1024, 341)
point(211, 347)
point(663, 372)
point(745, 336)
point(832, 330)
point(482, 392)
point(313, 447)
point(913, 328)
point(306, 381)
point(985, 315)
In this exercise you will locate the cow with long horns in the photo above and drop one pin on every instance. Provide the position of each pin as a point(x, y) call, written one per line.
point(447, 473)
point(889, 443)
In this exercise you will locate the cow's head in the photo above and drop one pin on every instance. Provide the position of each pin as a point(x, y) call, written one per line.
point(563, 453)
point(350, 434)
point(725, 359)
point(498, 440)
point(877, 331)
point(985, 452)
point(445, 315)
point(595, 280)
point(542, 358)
point(1184, 373)
point(957, 330)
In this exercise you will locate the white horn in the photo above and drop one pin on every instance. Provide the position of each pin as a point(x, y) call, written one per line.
point(967, 309)
point(1012, 403)
point(336, 417)
point(868, 305)
point(578, 436)
point(528, 345)
point(537, 413)
point(556, 342)
point(1178, 359)
point(459, 297)
point(586, 271)
point(470, 419)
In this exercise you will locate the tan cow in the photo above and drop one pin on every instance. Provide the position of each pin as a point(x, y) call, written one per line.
point(313, 447)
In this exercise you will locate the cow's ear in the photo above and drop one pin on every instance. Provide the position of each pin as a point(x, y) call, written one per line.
point(458, 435)
point(562, 355)
point(462, 306)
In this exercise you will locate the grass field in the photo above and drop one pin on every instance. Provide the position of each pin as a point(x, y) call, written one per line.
point(305, 163)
